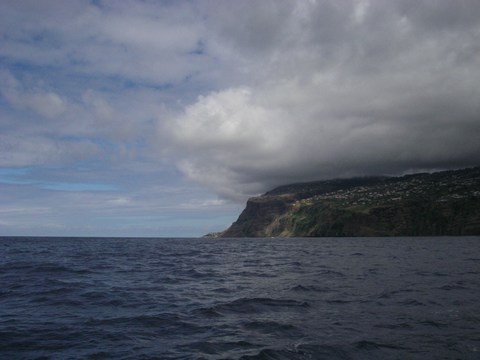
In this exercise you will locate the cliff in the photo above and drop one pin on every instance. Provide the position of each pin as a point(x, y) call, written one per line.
point(442, 203)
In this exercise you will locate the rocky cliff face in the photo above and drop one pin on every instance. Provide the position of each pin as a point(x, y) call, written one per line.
point(443, 203)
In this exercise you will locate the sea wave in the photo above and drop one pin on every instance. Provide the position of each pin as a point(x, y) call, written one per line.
point(409, 298)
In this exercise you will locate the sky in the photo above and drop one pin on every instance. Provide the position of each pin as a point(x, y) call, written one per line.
point(160, 118)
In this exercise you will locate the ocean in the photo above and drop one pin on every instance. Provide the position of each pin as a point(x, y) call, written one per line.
point(165, 298)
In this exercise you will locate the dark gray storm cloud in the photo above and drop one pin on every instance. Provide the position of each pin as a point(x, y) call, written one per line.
point(335, 88)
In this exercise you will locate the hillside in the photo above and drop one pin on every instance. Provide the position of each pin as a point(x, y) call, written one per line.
point(442, 203)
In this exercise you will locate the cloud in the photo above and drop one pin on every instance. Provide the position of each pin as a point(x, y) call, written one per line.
point(43, 127)
point(150, 42)
point(45, 103)
point(37, 150)
point(361, 88)
point(156, 97)
point(142, 210)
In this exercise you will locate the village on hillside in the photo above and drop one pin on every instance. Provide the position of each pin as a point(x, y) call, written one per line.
point(448, 187)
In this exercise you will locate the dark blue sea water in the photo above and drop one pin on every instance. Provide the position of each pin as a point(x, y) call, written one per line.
point(342, 298)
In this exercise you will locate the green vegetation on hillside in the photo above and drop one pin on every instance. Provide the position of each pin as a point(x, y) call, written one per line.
point(443, 203)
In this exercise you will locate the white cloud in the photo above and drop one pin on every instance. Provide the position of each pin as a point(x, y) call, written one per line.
point(149, 42)
point(43, 102)
point(215, 120)
point(31, 150)
point(49, 105)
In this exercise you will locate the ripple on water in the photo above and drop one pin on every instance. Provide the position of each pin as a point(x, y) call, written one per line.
point(239, 299)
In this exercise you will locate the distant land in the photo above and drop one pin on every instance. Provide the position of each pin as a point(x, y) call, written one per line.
point(436, 204)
